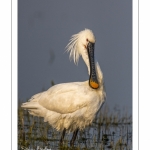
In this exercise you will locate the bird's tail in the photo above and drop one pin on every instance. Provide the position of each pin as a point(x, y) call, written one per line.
point(33, 107)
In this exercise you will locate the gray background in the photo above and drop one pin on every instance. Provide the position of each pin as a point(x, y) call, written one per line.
point(44, 30)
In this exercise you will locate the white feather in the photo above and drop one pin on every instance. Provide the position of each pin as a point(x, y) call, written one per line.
point(70, 105)
point(77, 41)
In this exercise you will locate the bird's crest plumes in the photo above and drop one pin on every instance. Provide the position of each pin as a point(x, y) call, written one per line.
point(78, 43)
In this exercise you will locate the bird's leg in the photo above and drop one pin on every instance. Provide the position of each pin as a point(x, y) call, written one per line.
point(62, 136)
point(74, 137)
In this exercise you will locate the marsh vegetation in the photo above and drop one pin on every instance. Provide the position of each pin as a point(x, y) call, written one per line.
point(109, 131)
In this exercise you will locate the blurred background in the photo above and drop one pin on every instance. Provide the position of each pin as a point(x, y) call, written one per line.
point(44, 30)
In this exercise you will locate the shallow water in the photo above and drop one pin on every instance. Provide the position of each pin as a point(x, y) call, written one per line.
point(109, 131)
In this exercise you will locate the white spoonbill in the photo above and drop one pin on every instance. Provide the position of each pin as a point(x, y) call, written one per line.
point(72, 106)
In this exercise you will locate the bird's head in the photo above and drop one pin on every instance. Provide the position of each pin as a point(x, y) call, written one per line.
point(78, 44)
point(85, 37)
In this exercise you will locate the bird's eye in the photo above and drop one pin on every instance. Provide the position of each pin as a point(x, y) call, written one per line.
point(87, 40)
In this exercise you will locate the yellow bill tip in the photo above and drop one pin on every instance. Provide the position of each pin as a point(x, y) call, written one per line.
point(94, 85)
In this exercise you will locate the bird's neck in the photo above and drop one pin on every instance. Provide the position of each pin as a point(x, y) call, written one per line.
point(99, 73)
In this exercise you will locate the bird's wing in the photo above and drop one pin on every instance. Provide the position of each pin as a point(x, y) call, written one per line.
point(67, 97)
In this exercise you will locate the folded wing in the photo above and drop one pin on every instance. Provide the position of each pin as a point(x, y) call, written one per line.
point(63, 98)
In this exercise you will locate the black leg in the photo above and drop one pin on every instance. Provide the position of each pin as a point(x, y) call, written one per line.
point(62, 136)
point(74, 137)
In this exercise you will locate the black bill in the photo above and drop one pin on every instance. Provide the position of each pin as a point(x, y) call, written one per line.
point(93, 82)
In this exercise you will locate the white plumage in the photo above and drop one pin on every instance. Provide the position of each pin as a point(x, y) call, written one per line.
point(71, 105)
